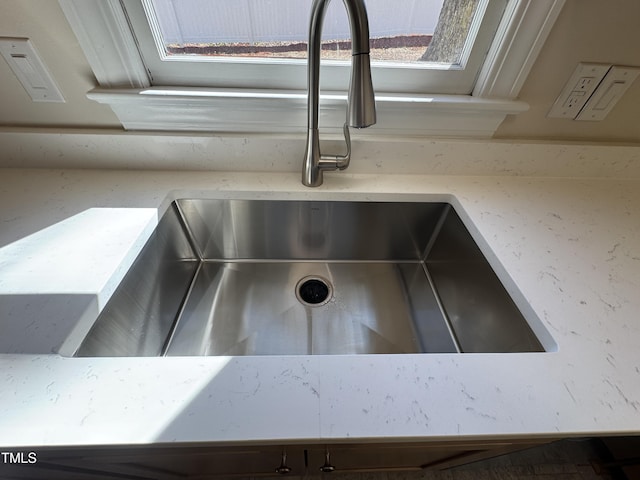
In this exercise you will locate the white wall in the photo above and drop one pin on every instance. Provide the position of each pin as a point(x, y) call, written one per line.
point(586, 31)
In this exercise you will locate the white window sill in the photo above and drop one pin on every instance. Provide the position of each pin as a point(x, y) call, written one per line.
point(254, 111)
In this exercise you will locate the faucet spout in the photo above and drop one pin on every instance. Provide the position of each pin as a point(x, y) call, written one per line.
point(361, 111)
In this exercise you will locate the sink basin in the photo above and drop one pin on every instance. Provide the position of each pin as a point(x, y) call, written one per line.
point(265, 277)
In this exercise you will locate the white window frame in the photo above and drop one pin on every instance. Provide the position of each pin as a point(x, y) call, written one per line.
point(103, 30)
point(291, 74)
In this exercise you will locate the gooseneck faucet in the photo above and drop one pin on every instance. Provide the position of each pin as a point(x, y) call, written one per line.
point(361, 110)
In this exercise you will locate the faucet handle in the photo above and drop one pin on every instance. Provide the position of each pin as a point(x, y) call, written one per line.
point(340, 162)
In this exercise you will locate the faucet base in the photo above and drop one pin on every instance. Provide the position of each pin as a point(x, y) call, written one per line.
point(315, 163)
point(311, 171)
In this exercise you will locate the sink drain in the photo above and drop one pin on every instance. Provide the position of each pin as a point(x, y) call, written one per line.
point(314, 291)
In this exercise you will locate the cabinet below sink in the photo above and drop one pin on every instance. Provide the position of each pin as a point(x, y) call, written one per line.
point(274, 277)
point(160, 462)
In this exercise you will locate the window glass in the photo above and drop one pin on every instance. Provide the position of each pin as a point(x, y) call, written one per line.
point(400, 30)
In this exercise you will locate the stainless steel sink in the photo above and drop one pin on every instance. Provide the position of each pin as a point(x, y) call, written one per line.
point(264, 277)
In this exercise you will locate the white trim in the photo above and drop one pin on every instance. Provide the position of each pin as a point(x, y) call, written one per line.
point(105, 36)
point(521, 35)
point(231, 110)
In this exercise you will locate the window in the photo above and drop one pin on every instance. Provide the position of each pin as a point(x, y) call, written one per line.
point(151, 87)
point(233, 44)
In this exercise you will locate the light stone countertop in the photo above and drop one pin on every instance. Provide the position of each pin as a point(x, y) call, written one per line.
point(570, 247)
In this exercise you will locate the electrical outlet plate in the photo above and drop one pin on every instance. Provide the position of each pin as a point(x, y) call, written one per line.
point(578, 89)
point(30, 70)
point(614, 85)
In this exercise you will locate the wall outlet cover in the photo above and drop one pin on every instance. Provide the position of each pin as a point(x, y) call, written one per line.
point(578, 89)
